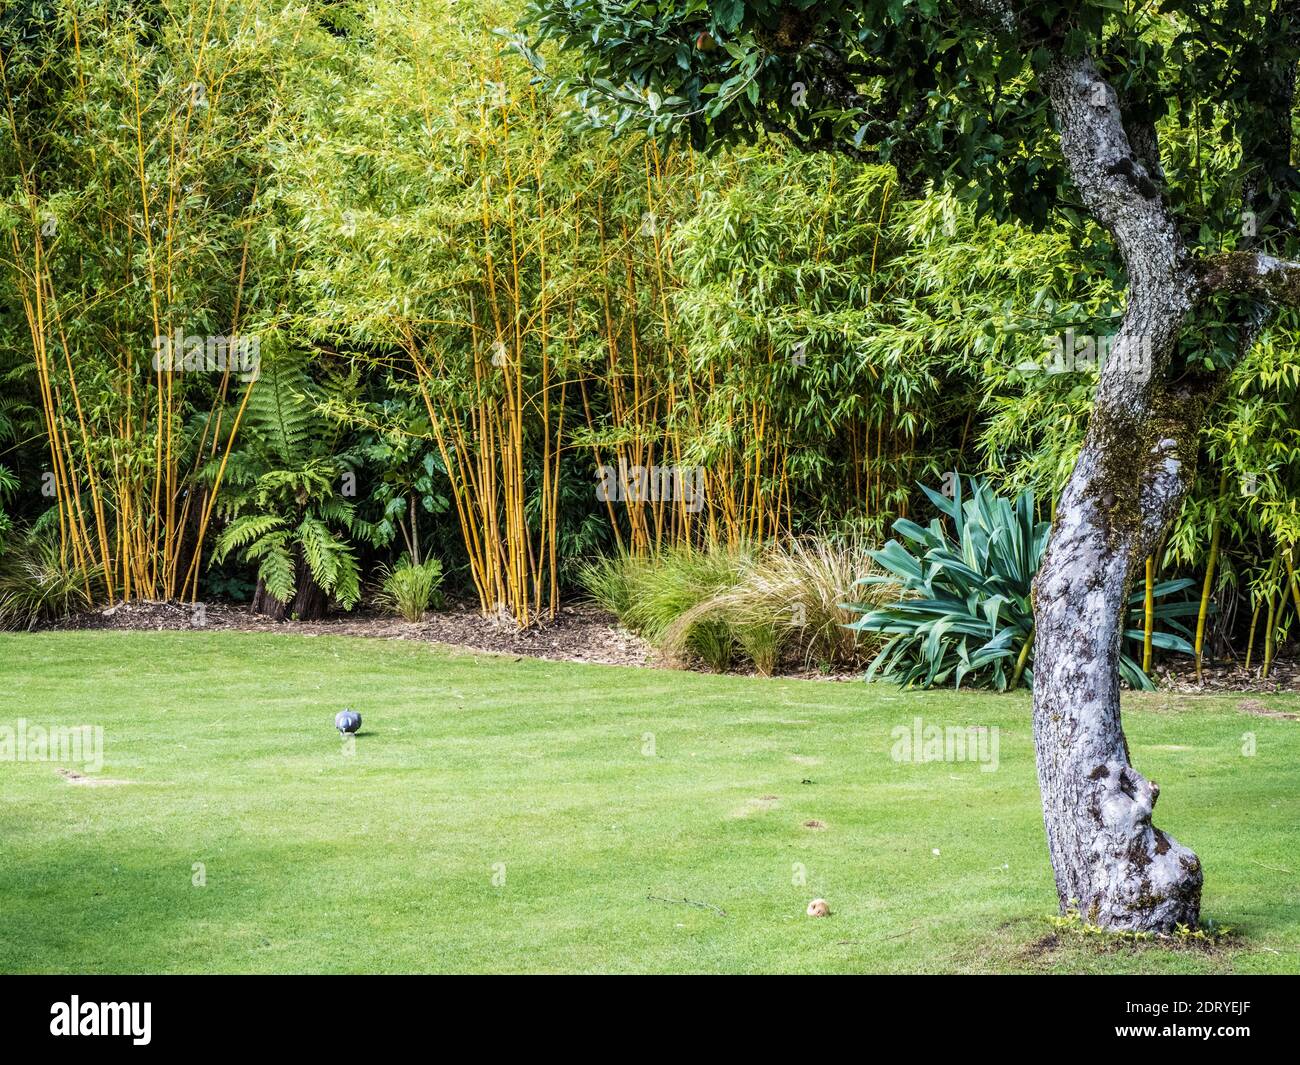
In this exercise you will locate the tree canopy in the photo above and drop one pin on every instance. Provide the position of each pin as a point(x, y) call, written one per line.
point(950, 91)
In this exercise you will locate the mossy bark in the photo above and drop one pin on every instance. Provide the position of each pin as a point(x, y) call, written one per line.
point(1132, 473)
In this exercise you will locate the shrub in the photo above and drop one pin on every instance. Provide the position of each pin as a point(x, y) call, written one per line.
point(671, 585)
point(712, 601)
point(652, 593)
point(809, 581)
point(37, 585)
point(410, 589)
point(966, 607)
point(608, 581)
point(789, 600)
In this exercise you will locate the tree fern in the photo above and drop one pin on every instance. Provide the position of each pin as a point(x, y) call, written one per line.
point(281, 413)
point(281, 488)
point(276, 571)
point(244, 531)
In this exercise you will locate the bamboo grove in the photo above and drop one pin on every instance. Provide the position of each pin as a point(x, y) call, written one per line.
point(131, 205)
point(533, 320)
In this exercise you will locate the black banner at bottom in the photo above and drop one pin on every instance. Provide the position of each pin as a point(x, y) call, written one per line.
point(341, 1013)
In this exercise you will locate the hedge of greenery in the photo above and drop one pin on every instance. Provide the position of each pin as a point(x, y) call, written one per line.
point(296, 297)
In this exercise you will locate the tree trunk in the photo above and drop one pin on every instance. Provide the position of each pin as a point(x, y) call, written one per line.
point(1137, 461)
point(265, 603)
point(308, 604)
point(1109, 859)
point(415, 533)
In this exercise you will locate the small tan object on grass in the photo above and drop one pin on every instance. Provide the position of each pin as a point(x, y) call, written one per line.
point(818, 908)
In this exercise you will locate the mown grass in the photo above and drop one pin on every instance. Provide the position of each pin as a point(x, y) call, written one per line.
point(597, 792)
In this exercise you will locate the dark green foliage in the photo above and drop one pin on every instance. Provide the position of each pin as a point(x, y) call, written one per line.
point(401, 482)
point(282, 488)
point(944, 88)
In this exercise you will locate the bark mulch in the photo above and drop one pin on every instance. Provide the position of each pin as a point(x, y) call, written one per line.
point(579, 633)
point(1283, 676)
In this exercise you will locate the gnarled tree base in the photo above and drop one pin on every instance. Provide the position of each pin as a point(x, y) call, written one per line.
point(1139, 877)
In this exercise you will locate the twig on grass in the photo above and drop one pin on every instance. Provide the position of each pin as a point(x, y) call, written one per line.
point(690, 902)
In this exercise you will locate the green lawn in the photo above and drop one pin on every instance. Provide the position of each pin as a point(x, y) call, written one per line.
point(592, 789)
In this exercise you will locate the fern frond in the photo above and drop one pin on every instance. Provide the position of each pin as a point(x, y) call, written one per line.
point(244, 531)
point(321, 550)
point(281, 410)
point(277, 572)
point(347, 586)
point(335, 510)
point(259, 548)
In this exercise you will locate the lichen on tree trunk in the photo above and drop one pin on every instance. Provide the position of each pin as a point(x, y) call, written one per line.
point(1109, 859)
point(1136, 463)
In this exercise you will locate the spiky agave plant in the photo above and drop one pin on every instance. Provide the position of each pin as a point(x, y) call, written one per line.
point(966, 607)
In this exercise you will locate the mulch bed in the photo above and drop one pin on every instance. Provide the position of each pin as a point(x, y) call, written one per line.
point(1283, 676)
point(579, 633)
